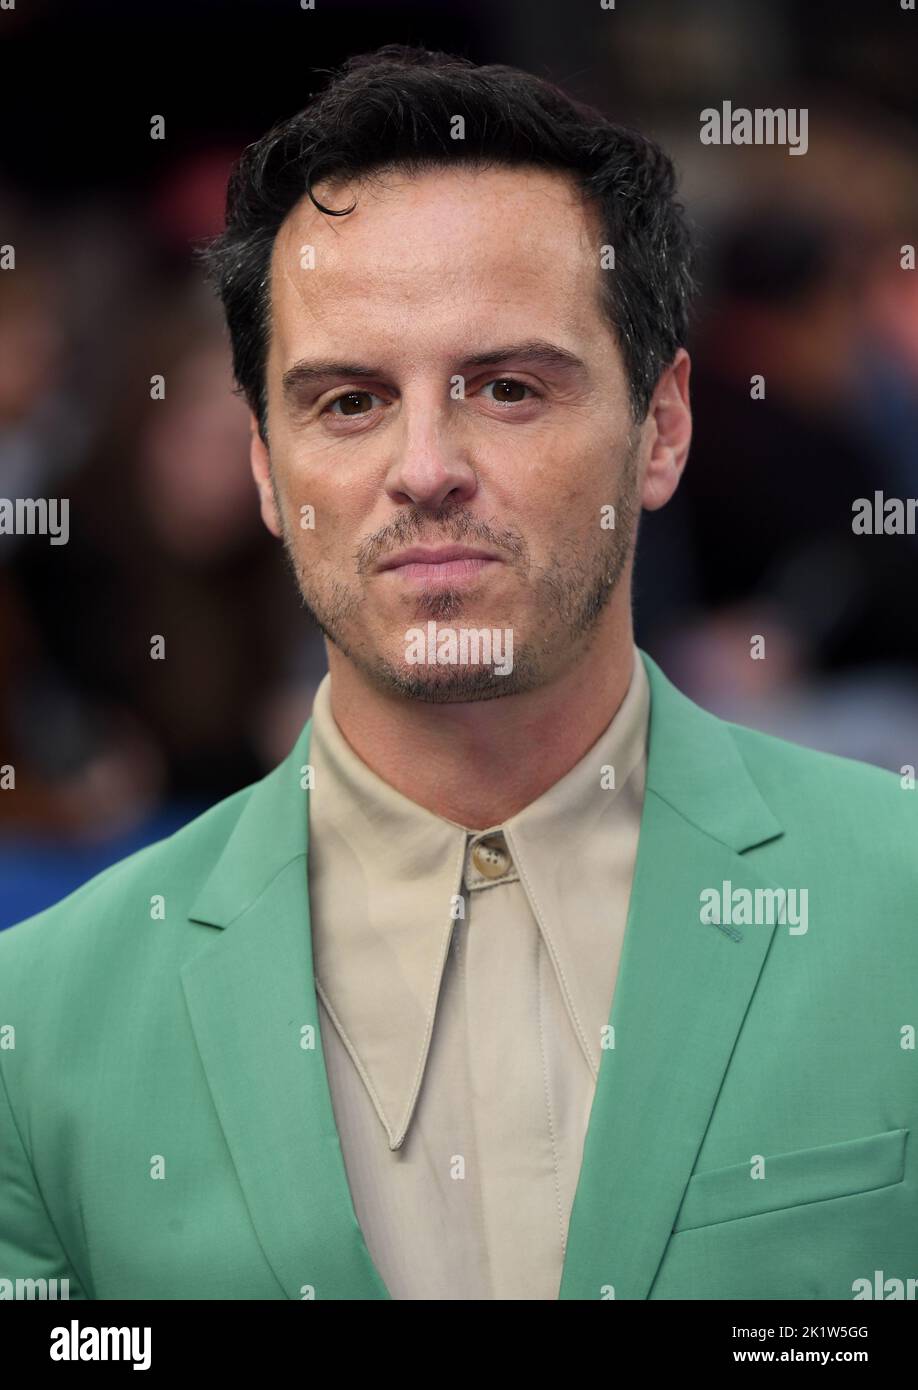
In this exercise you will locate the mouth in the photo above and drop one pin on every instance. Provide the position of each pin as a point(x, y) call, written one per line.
point(449, 564)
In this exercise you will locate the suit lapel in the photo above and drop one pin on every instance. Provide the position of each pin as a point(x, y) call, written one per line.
point(251, 994)
point(682, 992)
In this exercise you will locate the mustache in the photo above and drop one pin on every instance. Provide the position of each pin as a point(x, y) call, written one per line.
point(457, 527)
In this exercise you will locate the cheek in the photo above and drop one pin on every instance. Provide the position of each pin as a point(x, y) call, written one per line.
point(308, 503)
point(323, 528)
point(569, 502)
point(333, 485)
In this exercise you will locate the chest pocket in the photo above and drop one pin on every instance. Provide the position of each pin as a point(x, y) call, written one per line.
point(793, 1179)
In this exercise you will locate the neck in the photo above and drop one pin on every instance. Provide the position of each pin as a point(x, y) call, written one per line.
point(479, 762)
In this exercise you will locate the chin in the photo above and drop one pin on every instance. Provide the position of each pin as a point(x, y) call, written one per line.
point(442, 684)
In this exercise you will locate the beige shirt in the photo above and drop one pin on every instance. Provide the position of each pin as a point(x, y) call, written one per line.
point(465, 981)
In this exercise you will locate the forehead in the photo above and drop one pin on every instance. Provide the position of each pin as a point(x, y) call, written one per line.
point(425, 253)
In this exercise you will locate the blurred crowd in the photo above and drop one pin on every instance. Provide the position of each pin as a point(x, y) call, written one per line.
point(165, 540)
point(803, 286)
point(805, 398)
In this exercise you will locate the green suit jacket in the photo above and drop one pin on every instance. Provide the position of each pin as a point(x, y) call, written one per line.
point(166, 1126)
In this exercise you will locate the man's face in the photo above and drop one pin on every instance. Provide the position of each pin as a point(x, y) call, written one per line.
point(516, 457)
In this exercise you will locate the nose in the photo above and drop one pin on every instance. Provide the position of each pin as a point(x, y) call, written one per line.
point(430, 466)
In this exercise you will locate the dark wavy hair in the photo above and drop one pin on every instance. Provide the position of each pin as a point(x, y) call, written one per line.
point(393, 109)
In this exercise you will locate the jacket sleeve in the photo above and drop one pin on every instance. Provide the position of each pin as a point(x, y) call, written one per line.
point(30, 1248)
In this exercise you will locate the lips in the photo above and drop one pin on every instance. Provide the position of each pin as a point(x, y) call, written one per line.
point(442, 555)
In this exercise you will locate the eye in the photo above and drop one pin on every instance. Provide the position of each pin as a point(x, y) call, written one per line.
point(350, 402)
point(508, 384)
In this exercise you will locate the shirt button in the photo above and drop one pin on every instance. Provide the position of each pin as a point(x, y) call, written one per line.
point(491, 857)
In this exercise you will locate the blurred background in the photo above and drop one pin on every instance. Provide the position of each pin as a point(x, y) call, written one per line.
point(801, 283)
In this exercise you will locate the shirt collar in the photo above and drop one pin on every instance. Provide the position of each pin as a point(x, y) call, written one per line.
point(379, 864)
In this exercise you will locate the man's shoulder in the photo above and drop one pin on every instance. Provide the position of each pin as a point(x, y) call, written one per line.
point(795, 781)
point(871, 808)
point(777, 758)
point(92, 916)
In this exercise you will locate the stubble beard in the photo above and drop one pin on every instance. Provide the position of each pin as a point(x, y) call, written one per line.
point(572, 590)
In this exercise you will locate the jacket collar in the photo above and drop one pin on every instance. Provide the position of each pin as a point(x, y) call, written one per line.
point(252, 999)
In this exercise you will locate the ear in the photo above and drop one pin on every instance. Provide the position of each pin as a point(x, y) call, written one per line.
point(669, 421)
point(260, 460)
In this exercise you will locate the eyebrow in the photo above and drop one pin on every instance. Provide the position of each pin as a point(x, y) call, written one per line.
point(536, 353)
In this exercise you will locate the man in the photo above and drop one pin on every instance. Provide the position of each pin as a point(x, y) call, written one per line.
point(522, 977)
